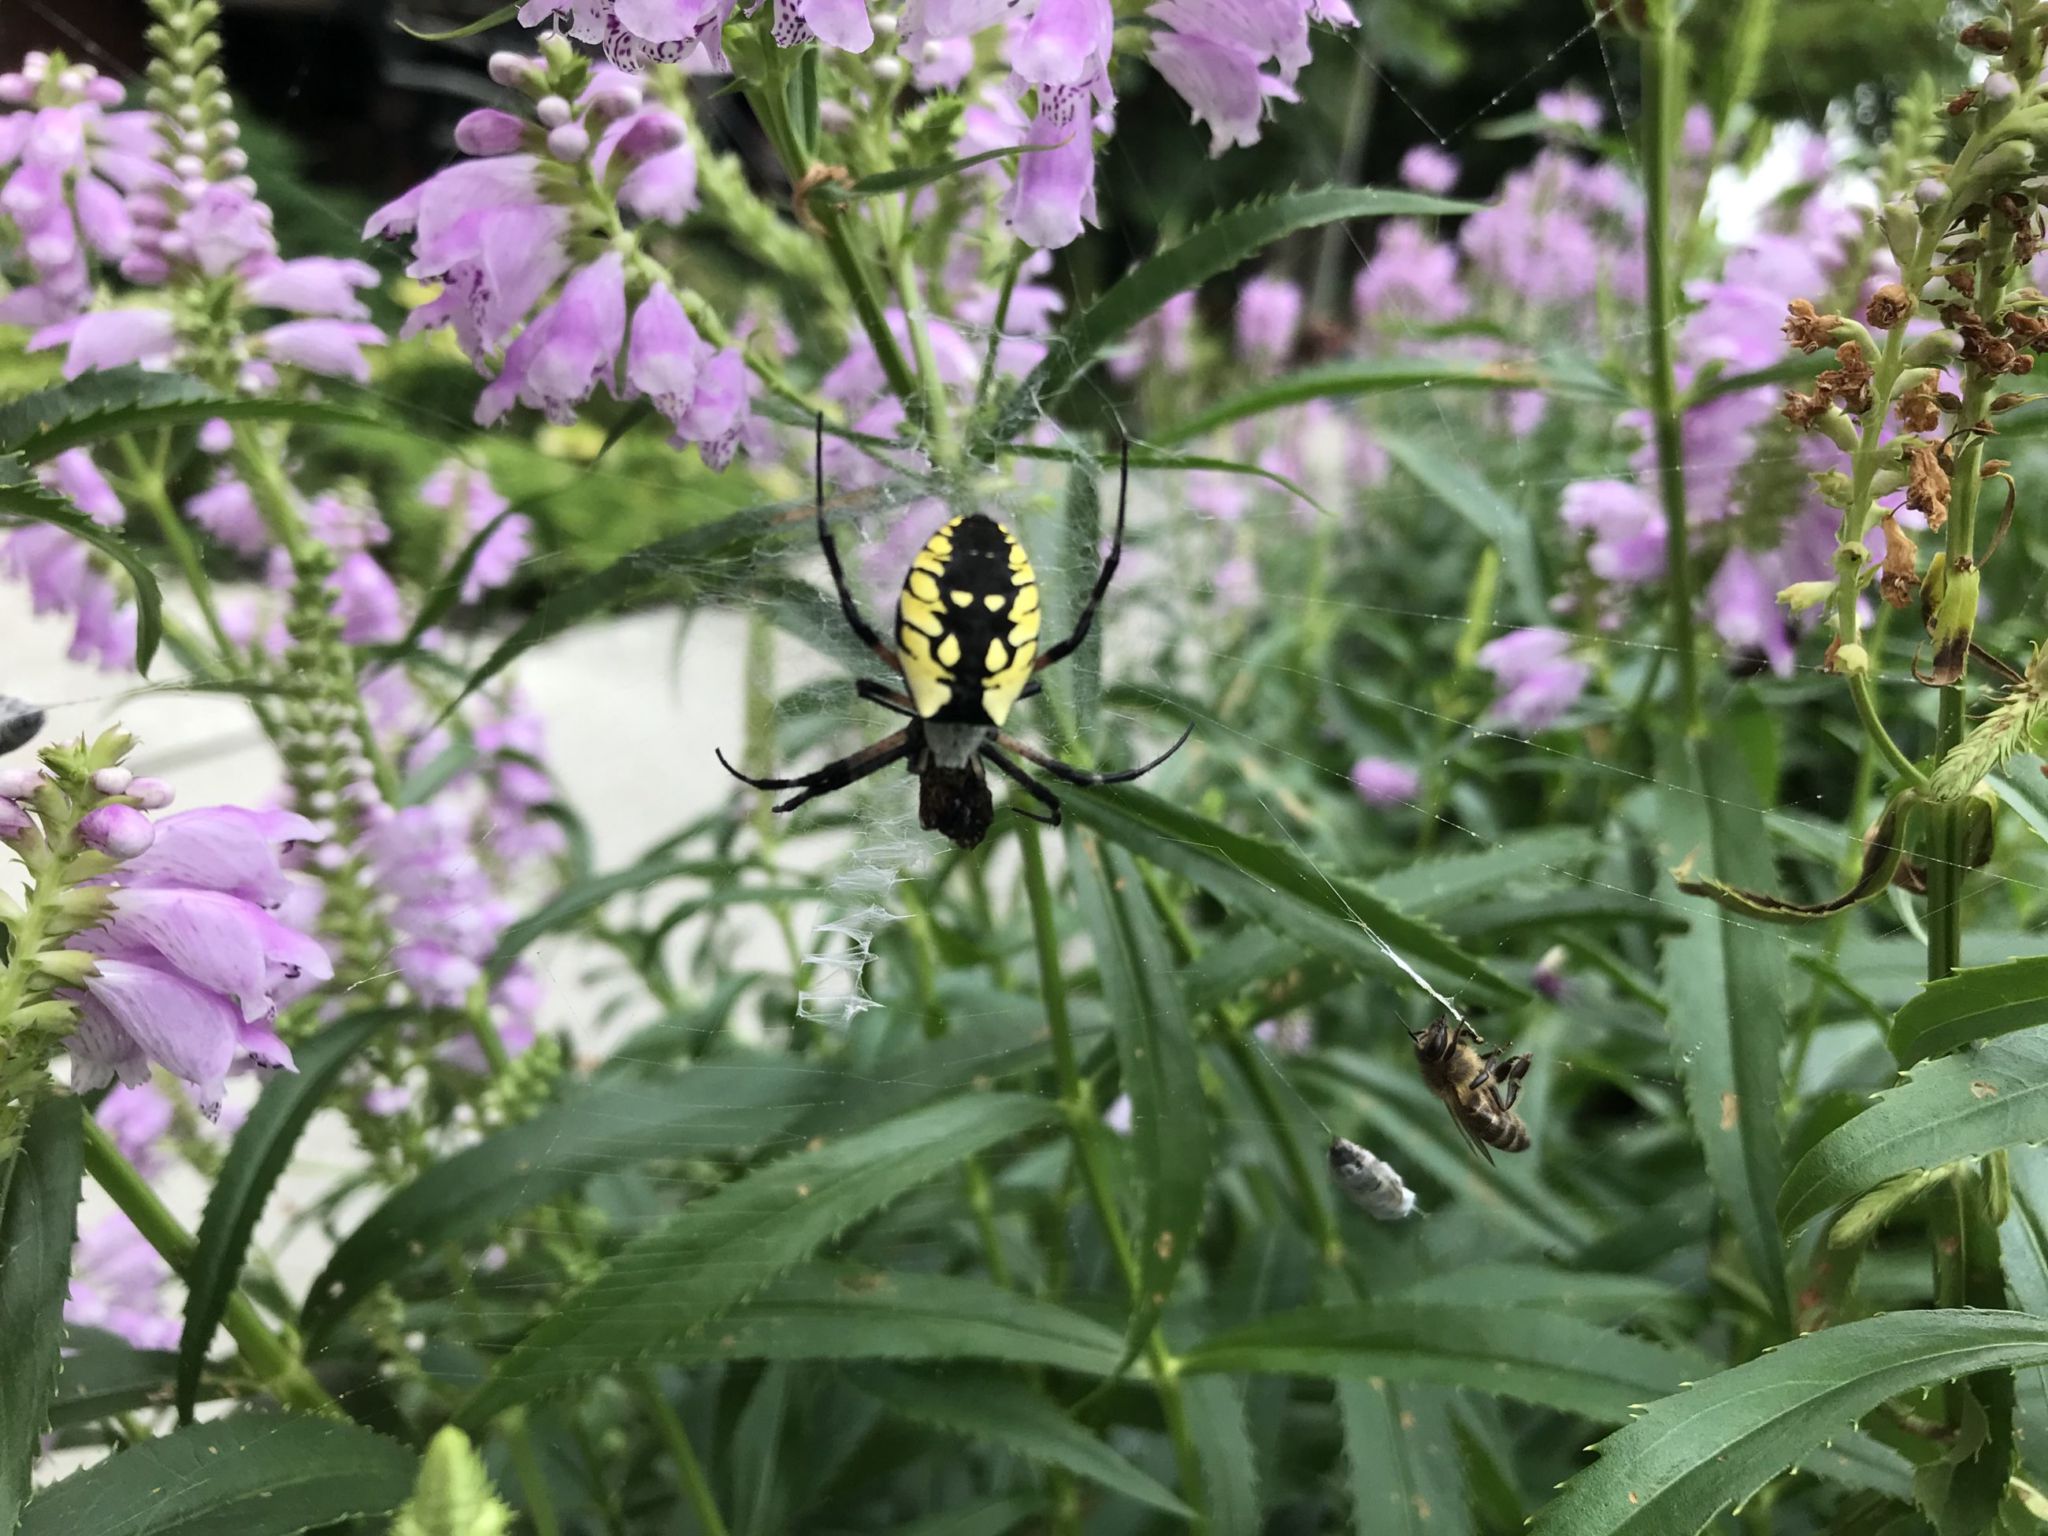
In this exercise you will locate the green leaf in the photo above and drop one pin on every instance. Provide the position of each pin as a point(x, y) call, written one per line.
point(1581, 1293)
point(249, 1475)
point(756, 1456)
point(1980, 1002)
point(454, 1496)
point(1217, 1428)
point(257, 1159)
point(1008, 1414)
point(724, 1107)
point(2023, 1249)
point(1282, 889)
point(1161, 1070)
point(497, 18)
point(910, 178)
point(104, 1375)
point(800, 95)
point(844, 1312)
point(1451, 880)
point(1978, 1100)
point(667, 567)
point(21, 497)
point(1883, 850)
point(91, 397)
point(1726, 990)
point(1402, 1457)
point(708, 1257)
point(1216, 247)
point(1450, 477)
point(1691, 1455)
point(586, 896)
point(1552, 1359)
point(980, 1517)
point(38, 1223)
point(1348, 380)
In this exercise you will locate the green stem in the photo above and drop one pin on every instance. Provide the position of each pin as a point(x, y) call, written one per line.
point(533, 1482)
point(675, 1436)
point(271, 1359)
point(1086, 1132)
point(1661, 94)
point(147, 486)
point(1012, 269)
point(938, 419)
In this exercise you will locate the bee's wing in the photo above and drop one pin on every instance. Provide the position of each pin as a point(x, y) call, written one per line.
point(1471, 1140)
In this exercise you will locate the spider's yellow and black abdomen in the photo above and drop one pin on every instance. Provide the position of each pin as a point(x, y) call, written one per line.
point(967, 623)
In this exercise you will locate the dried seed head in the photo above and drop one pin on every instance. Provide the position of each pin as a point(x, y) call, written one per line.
point(1808, 330)
point(1888, 306)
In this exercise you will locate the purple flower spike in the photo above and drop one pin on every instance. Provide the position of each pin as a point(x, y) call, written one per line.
point(118, 831)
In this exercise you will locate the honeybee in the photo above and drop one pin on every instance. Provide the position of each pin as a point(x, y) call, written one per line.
point(1478, 1090)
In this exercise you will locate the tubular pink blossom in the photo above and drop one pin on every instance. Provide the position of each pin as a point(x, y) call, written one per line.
point(129, 1010)
point(222, 848)
point(112, 338)
point(333, 347)
point(314, 285)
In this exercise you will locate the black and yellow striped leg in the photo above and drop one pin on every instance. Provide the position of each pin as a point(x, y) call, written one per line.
point(1072, 643)
point(1029, 785)
point(1068, 773)
point(847, 606)
point(848, 770)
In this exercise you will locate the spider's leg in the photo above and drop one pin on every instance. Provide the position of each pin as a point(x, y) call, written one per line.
point(1069, 774)
point(1072, 643)
point(847, 770)
point(889, 698)
point(847, 606)
point(1028, 784)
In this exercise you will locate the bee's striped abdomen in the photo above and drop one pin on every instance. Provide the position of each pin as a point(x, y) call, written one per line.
point(967, 623)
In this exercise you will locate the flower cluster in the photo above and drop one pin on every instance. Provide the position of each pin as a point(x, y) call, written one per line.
point(63, 574)
point(545, 311)
point(70, 167)
point(1537, 678)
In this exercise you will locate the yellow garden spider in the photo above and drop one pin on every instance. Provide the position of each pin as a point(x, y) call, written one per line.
point(967, 650)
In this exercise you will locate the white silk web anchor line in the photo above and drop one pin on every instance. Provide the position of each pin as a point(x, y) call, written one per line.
point(855, 911)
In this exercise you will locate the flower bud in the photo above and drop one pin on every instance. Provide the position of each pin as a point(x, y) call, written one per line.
point(70, 966)
point(1832, 486)
point(1802, 595)
point(888, 69)
point(1840, 430)
point(615, 99)
point(1901, 223)
point(20, 783)
point(1851, 660)
point(119, 831)
point(488, 131)
point(1999, 86)
point(512, 70)
point(1929, 192)
point(552, 111)
point(13, 819)
point(112, 781)
point(151, 794)
point(569, 143)
point(1934, 349)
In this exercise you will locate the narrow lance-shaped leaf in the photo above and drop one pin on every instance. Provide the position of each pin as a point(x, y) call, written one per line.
point(2023, 1250)
point(723, 1107)
point(1009, 1414)
point(1695, 1453)
point(1161, 1070)
point(38, 1223)
point(1348, 380)
point(1549, 1358)
point(1978, 1100)
point(1979, 1002)
point(709, 1256)
point(1402, 1457)
point(1216, 247)
point(261, 1150)
point(1282, 889)
point(1451, 480)
point(252, 1474)
point(843, 1312)
point(1883, 849)
point(1725, 988)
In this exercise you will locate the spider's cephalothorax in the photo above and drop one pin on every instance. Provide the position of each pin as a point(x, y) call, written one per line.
point(966, 650)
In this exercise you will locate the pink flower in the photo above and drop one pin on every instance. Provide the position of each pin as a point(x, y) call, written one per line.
point(1429, 169)
point(314, 285)
point(1268, 318)
point(1053, 194)
point(118, 831)
point(1569, 108)
point(367, 602)
point(1627, 525)
point(1538, 681)
point(567, 349)
point(228, 511)
point(222, 848)
point(74, 474)
point(1381, 781)
point(111, 338)
point(118, 1283)
point(1222, 83)
point(332, 347)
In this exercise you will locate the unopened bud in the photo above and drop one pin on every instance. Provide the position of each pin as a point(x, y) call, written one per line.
point(118, 831)
point(151, 794)
point(1851, 660)
point(1832, 486)
point(70, 966)
point(488, 131)
point(20, 783)
point(1840, 430)
point(1900, 221)
point(552, 111)
point(512, 70)
point(13, 819)
point(1802, 595)
point(112, 781)
point(569, 143)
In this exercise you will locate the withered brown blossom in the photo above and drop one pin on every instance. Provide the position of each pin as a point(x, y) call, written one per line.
point(1919, 409)
point(1901, 570)
point(1849, 380)
point(1927, 484)
point(1985, 37)
point(1888, 306)
point(1804, 410)
point(1958, 105)
point(1807, 330)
